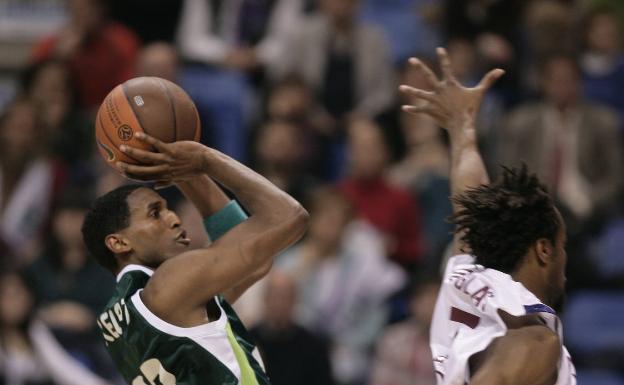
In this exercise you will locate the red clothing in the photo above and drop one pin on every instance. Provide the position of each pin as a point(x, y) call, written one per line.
point(103, 61)
point(393, 211)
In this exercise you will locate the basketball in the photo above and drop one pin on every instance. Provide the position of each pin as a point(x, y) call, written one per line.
point(152, 105)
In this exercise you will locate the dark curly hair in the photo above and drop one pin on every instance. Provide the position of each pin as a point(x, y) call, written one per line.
point(109, 214)
point(501, 220)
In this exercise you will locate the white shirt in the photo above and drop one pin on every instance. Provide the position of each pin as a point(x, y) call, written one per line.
point(466, 318)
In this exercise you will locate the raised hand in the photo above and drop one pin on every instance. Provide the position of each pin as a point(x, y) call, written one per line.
point(450, 104)
point(173, 162)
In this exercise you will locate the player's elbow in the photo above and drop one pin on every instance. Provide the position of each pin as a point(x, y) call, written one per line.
point(299, 219)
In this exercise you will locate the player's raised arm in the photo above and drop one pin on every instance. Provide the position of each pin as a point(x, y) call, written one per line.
point(193, 278)
point(454, 107)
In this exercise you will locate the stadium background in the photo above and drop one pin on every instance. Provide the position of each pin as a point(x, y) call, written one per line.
point(305, 92)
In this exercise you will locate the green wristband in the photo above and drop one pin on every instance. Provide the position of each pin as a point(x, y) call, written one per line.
point(224, 220)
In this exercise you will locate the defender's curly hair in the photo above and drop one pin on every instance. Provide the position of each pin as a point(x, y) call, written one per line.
point(501, 220)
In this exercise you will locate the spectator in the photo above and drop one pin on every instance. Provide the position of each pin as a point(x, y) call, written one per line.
point(240, 35)
point(29, 353)
point(391, 209)
point(602, 61)
point(280, 158)
point(159, 59)
point(344, 279)
point(345, 62)
point(100, 53)
point(424, 171)
point(49, 84)
point(28, 178)
point(292, 354)
point(403, 356)
point(574, 146)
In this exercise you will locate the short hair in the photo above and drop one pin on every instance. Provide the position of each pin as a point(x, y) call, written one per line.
point(109, 214)
point(501, 220)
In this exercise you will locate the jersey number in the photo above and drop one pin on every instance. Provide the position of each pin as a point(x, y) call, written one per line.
point(153, 371)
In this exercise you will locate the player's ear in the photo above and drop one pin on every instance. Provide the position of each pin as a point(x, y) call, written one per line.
point(117, 243)
point(544, 251)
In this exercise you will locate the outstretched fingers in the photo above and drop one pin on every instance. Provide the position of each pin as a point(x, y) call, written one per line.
point(490, 78)
point(445, 65)
point(420, 94)
point(425, 71)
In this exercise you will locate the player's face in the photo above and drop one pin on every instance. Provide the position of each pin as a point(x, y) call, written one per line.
point(154, 232)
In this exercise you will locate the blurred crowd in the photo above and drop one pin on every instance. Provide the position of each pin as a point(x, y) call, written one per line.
point(305, 92)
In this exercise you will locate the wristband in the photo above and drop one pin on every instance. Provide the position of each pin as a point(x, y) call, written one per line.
point(224, 220)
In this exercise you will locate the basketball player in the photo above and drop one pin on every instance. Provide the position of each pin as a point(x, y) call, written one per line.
point(494, 322)
point(170, 321)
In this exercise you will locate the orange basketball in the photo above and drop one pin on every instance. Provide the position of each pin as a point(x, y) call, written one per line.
point(152, 105)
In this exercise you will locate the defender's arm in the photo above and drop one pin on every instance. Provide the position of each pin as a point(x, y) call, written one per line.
point(454, 108)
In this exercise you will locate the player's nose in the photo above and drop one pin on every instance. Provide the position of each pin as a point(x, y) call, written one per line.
point(173, 220)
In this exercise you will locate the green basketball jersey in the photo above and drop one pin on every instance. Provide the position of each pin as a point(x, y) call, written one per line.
point(149, 351)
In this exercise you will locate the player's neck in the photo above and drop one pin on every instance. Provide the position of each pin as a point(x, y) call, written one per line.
point(532, 282)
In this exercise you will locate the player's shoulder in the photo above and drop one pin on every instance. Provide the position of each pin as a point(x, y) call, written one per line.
point(130, 279)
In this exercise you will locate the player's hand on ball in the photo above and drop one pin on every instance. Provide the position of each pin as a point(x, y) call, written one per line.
point(449, 103)
point(173, 162)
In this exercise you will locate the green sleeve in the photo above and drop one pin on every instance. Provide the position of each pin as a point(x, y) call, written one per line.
point(224, 220)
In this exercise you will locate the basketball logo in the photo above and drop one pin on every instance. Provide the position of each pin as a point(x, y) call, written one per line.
point(111, 155)
point(124, 132)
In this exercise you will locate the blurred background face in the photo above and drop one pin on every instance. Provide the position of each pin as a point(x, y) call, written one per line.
point(603, 34)
point(16, 300)
point(159, 59)
point(51, 84)
point(419, 129)
point(18, 132)
point(66, 226)
point(329, 216)
point(561, 82)
point(279, 145)
point(340, 11)
point(289, 101)
point(368, 155)
point(280, 299)
point(86, 15)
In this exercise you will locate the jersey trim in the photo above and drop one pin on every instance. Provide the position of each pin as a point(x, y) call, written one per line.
point(133, 267)
point(206, 329)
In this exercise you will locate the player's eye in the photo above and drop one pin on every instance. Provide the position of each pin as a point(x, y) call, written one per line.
point(155, 213)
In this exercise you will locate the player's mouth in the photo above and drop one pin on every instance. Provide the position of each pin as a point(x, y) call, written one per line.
point(183, 239)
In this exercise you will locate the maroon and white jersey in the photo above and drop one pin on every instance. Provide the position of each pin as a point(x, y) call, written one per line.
point(466, 318)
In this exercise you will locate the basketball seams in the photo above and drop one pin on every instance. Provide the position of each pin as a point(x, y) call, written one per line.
point(110, 140)
point(173, 109)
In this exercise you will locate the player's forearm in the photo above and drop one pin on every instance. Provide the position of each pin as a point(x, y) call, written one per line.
point(263, 200)
point(467, 167)
point(205, 194)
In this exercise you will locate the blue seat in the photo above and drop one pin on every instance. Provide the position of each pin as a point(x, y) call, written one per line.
point(598, 377)
point(607, 254)
point(592, 323)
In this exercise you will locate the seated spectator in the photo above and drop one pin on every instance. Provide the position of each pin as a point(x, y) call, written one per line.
point(391, 209)
point(403, 355)
point(292, 355)
point(346, 63)
point(159, 59)
point(574, 146)
point(344, 280)
point(602, 62)
point(238, 35)
point(280, 157)
point(71, 287)
point(424, 171)
point(49, 84)
point(100, 53)
point(28, 178)
point(29, 353)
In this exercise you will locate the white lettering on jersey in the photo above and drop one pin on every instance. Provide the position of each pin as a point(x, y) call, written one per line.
point(110, 322)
